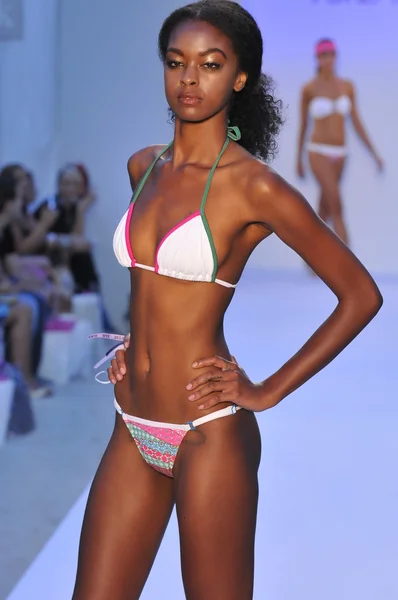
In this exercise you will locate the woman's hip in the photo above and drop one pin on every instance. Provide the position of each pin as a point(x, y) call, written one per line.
point(328, 150)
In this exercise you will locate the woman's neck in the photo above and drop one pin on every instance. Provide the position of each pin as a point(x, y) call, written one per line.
point(198, 143)
point(327, 75)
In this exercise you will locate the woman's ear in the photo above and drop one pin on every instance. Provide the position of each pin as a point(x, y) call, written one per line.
point(240, 82)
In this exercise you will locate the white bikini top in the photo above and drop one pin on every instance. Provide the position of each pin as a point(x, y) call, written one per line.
point(187, 251)
point(322, 107)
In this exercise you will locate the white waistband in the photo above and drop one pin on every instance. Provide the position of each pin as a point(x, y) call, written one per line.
point(327, 149)
point(218, 414)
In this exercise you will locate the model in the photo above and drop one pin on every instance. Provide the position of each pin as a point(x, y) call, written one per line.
point(328, 101)
point(185, 433)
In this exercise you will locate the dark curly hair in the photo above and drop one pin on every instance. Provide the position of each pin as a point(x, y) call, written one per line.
point(8, 188)
point(255, 110)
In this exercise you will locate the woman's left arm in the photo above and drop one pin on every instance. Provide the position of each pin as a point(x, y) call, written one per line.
point(359, 128)
point(285, 212)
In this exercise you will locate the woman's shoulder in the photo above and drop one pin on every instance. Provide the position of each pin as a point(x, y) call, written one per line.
point(346, 85)
point(251, 178)
point(309, 88)
point(269, 197)
point(141, 160)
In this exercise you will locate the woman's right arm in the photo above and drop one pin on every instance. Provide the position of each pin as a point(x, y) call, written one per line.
point(305, 100)
point(37, 236)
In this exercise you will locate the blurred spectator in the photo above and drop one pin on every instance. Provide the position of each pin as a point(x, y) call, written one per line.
point(17, 318)
point(73, 198)
point(31, 272)
point(20, 418)
point(28, 234)
point(27, 278)
point(67, 230)
point(53, 228)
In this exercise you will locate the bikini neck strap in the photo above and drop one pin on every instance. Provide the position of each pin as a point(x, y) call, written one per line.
point(233, 133)
point(143, 181)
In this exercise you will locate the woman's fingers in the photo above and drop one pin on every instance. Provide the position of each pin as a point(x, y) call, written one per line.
point(216, 385)
point(118, 368)
point(211, 361)
point(114, 369)
point(211, 398)
point(111, 376)
point(209, 376)
point(120, 359)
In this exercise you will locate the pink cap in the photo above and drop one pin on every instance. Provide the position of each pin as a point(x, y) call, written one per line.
point(325, 46)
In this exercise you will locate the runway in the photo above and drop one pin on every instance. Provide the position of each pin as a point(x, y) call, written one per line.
point(327, 524)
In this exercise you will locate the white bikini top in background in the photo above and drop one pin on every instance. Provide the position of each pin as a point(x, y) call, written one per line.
point(321, 107)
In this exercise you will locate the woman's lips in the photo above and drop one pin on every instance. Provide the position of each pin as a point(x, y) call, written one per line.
point(188, 100)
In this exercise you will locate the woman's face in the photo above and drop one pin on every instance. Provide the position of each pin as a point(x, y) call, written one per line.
point(70, 185)
point(326, 61)
point(200, 71)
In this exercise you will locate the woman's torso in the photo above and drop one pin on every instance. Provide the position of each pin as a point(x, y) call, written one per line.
point(329, 106)
point(173, 321)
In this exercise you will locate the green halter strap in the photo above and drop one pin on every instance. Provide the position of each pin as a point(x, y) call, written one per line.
point(234, 134)
point(143, 181)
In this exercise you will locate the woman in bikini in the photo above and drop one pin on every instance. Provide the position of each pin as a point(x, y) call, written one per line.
point(328, 100)
point(185, 432)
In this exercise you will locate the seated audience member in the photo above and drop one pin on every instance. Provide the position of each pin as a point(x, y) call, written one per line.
point(32, 273)
point(68, 228)
point(55, 228)
point(21, 418)
point(73, 198)
point(17, 319)
point(29, 234)
point(26, 277)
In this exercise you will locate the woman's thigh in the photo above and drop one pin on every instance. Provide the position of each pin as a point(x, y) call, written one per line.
point(127, 512)
point(328, 175)
point(29, 300)
point(216, 498)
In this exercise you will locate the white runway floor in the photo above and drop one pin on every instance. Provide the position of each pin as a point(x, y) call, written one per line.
point(328, 525)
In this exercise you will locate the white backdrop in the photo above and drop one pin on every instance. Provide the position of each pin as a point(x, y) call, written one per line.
point(366, 34)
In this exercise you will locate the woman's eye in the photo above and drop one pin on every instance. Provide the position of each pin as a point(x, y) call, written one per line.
point(173, 64)
point(212, 66)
